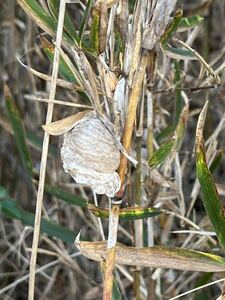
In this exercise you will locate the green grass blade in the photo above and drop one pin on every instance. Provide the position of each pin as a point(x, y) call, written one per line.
point(115, 291)
point(179, 53)
point(68, 24)
point(166, 133)
point(41, 18)
point(85, 18)
point(65, 196)
point(64, 68)
point(161, 154)
point(191, 21)
point(210, 196)
point(95, 30)
point(171, 28)
point(129, 214)
point(19, 132)
point(12, 210)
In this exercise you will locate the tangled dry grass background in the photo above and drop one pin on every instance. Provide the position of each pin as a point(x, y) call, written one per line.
point(63, 273)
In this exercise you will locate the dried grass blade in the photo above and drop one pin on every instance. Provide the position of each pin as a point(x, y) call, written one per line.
point(64, 125)
point(155, 257)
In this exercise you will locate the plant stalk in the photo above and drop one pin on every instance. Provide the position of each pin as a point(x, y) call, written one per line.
point(135, 94)
point(49, 115)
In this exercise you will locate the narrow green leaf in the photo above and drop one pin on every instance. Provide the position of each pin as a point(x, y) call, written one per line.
point(85, 18)
point(65, 196)
point(161, 154)
point(179, 53)
point(130, 213)
point(41, 18)
point(12, 210)
point(115, 291)
point(64, 68)
point(166, 133)
point(191, 21)
point(171, 28)
point(68, 24)
point(19, 132)
point(210, 196)
point(95, 29)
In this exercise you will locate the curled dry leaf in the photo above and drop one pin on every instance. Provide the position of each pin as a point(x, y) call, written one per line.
point(155, 257)
point(91, 156)
point(64, 125)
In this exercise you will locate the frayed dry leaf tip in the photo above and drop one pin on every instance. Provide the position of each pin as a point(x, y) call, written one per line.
point(64, 125)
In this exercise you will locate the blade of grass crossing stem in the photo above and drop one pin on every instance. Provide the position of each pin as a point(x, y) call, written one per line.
point(68, 24)
point(64, 69)
point(49, 115)
point(210, 196)
point(19, 132)
point(41, 18)
point(10, 209)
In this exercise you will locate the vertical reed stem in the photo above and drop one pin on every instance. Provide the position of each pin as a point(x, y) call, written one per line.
point(45, 145)
point(114, 212)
